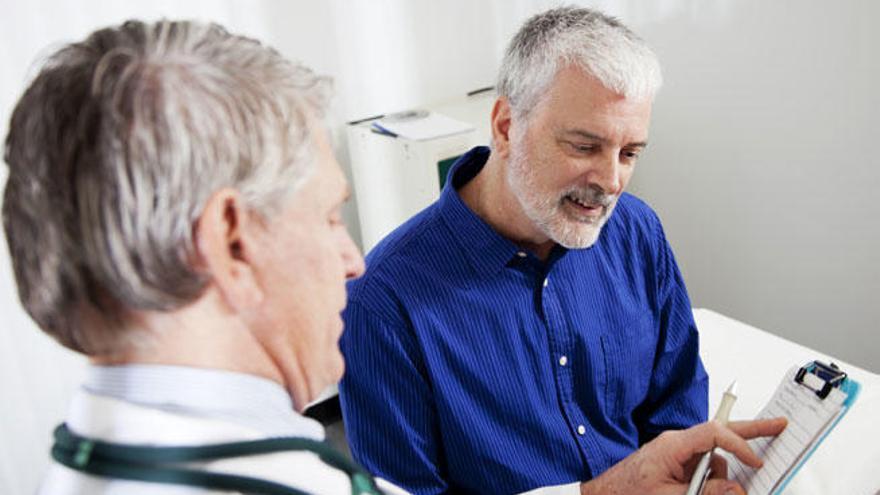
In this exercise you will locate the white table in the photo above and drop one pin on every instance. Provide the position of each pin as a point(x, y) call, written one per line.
point(848, 461)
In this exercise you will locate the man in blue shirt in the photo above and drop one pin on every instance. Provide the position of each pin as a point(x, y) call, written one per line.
point(531, 327)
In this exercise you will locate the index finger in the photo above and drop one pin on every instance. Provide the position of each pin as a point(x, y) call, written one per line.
point(734, 438)
point(758, 427)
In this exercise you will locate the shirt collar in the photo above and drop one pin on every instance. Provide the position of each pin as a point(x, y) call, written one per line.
point(486, 250)
point(246, 400)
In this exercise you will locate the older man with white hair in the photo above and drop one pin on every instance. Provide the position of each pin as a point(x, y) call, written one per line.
point(173, 212)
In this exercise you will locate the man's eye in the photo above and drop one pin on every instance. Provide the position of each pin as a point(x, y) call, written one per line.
point(583, 148)
point(630, 155)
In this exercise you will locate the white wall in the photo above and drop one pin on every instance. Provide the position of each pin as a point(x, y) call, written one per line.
point(760, 162)
point(763, 164)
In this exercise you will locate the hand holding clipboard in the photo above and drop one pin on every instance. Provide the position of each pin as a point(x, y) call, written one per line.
point(813, 398)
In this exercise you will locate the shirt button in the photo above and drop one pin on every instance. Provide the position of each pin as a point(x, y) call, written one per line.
point(581, 429)
point(546, 281)
point(563, 360)
point(521, 254)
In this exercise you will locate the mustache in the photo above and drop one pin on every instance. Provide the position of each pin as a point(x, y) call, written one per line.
point(592, 195)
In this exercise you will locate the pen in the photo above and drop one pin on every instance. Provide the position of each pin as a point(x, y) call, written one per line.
point(367, 119)
point(378, 128)
point(702, 471)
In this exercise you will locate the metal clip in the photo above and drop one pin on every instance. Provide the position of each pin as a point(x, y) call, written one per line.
point(831, 375)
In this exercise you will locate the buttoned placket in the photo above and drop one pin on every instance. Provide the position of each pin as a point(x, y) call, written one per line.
point(560, 341)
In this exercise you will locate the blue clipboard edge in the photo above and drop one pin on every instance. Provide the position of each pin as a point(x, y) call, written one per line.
point(852, 389)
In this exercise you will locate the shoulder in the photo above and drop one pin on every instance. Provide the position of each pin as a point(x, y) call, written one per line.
point(117, 420)
point(134, 424)
point(408, 240)
point(402, 258)
point(635, 212)
point(304, 471)
point(633, 222)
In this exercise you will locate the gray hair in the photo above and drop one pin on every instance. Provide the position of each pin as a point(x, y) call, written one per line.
point(114, 150)
point(596, 43)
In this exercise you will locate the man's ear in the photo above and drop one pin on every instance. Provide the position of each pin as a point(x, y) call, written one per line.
point(501, 127)
point(226, 249)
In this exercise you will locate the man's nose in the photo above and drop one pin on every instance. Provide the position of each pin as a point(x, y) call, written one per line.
point(352, 259)
point(606, 174)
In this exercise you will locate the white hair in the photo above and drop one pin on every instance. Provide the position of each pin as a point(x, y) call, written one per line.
point(594, 42)
point(114, 150)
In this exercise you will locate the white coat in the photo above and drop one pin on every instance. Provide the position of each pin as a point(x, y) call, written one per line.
point(118, 421)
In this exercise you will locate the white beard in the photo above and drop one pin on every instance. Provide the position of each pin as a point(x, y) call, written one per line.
point(545, 208)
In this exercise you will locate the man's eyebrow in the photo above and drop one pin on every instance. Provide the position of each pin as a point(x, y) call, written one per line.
point(585, 135)
point(595, 137)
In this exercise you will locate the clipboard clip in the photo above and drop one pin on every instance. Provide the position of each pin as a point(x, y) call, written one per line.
point(830, 375)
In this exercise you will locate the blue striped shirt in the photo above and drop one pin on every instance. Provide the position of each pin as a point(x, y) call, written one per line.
point(475, 367)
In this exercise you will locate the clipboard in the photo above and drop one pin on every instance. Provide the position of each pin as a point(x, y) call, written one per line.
point(814, 398)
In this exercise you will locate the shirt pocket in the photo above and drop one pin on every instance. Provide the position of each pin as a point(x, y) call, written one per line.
point(628, 355)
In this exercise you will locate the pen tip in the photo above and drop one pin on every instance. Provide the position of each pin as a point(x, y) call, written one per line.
point(732, 388)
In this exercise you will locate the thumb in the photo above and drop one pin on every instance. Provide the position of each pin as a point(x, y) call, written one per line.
point(722, 487)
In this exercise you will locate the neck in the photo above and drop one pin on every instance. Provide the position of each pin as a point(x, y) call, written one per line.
point(489, 196)
point(200, 335)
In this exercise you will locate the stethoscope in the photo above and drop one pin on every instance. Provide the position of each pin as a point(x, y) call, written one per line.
point(158, 464)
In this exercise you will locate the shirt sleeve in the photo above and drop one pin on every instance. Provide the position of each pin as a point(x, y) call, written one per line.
point(678, 395)
point(387, 404)
point(567, 489)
